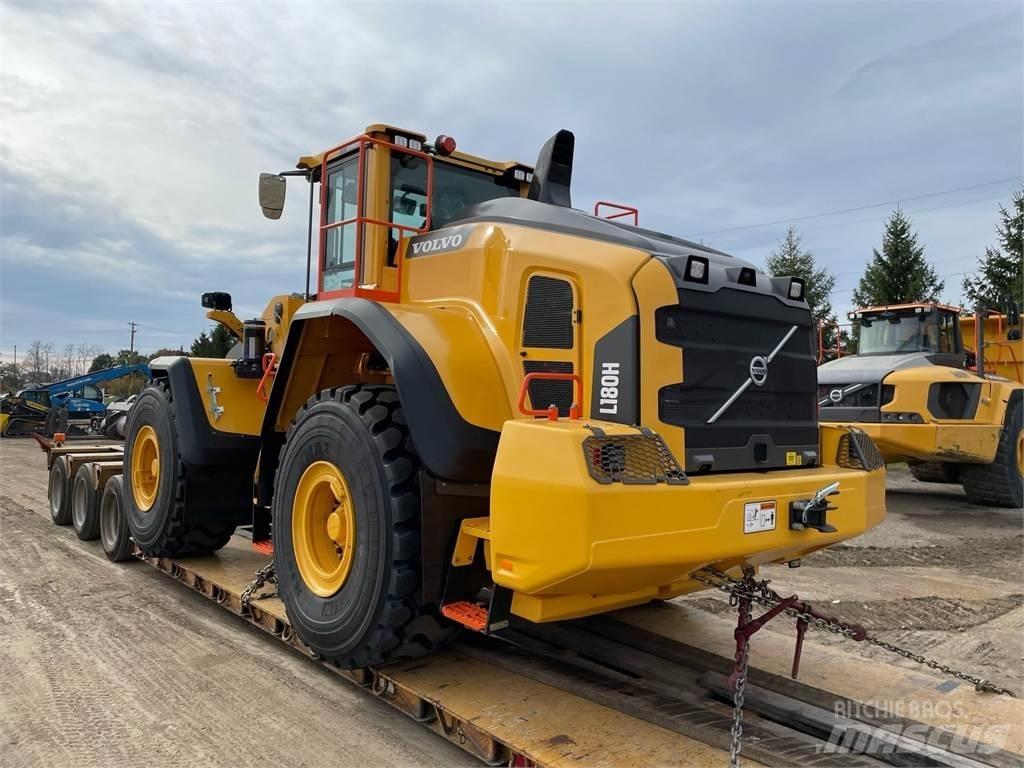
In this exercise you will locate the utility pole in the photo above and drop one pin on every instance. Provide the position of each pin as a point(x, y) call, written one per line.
point(131, 355)
point(131, 344)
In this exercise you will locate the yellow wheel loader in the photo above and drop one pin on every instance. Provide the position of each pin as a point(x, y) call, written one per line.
point(939, 391)
point(493, 405)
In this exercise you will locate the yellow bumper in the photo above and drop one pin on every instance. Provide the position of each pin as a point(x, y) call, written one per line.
point(968, 443)
point(569, 546)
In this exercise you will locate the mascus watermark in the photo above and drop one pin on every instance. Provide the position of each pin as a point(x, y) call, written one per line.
point(914, 738)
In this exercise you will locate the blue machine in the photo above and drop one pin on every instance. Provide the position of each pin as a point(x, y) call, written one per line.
point(79, 398)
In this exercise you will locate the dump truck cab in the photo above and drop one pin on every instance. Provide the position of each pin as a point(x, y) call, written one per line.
point(938, 389)
point(490, 404)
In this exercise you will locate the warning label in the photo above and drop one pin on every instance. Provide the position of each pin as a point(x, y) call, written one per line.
point(759, 516)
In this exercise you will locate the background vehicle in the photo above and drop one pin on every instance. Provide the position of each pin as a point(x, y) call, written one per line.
point(72, 403)
point(940, 391)
point(493, 405)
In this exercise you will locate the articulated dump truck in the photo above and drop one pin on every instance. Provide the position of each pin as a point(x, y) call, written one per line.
point(939, 390)
point(493, 405)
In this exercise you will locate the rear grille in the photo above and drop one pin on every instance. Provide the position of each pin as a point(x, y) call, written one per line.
point(545, 392)
point(632, 460)
point(547, 321)
point(720, 334)
point(858, 451)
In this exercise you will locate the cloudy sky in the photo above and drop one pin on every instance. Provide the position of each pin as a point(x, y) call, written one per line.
point(131, 135)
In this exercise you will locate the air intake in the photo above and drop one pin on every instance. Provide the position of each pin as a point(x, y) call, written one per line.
point(548, 319)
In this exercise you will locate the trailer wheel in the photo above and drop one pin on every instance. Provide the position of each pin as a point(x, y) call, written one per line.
point(936, 472)
point(59, 492)
point(1001, 483)
point(171, 511)
point(347, 531)
point(114, 535)
point(85, 514)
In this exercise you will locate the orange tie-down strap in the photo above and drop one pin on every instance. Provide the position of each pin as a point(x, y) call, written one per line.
point(467, 614)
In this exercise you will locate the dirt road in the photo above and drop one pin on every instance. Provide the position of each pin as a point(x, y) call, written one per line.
point(107, 663)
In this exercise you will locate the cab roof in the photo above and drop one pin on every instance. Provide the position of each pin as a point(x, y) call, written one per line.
point(905, 307)
point(382, 130)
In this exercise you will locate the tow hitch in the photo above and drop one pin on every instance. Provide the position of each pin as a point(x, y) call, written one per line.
point(810, 513)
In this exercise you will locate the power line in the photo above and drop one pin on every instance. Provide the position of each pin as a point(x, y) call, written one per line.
point(854, 209)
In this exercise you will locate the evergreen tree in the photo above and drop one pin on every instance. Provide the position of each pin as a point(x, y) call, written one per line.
point(1001, 270)
point(900, 274)
point(101, 362)
point(791, 259)
point(215, 344)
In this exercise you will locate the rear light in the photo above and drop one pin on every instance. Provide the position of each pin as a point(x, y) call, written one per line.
point(697, 269)
point(902, 416)
point(796, 289)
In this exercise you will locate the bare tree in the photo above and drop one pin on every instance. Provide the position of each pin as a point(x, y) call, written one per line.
point(37, 361)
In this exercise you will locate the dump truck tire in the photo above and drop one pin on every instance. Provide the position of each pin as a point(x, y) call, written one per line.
point(1001, 483)
point(85, 513)
point(936, 472)
point(114, 535)
point(59, 492)
point(171, 511)
point(347, 486)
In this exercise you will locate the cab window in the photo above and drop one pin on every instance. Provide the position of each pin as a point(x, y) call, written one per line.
point(947, 332)
point(339, 247)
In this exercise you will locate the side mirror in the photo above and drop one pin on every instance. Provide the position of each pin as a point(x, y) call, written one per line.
point(217, 300)
point(272, 190)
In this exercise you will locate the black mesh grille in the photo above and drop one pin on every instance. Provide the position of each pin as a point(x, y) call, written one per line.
point(720, 334)
point(632, 459)
point(849, 395)
point(858, 451)
point(548, 319)
point(545, 393)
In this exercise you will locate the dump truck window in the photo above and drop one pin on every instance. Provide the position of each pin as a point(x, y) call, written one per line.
point(947, 332)
point(887, 336)
point(340, 243)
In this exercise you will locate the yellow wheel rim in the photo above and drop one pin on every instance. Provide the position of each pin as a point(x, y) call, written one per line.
point(145, 468)
point(323, 528)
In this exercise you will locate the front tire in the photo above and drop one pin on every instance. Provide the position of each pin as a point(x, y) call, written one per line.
point(346, 516)
point(171, 510)
point(1001, 483)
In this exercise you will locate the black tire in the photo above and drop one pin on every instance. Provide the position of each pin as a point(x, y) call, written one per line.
point(936, 472)
point(56, 421)
point(85, 513)
point(375, 616)
point(114, 428)
point(193, 512)
point(59, 492)
point(999, 484)
point(114, 535)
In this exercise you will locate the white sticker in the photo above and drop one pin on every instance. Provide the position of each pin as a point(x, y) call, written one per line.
point(759, 516)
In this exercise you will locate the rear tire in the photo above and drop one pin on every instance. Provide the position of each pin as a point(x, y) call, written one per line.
point(85, 505)
point(59, 492)
point(173, 511)
point(372, 616)
point(936, 472)
point(1001, 483)
point(114, 535)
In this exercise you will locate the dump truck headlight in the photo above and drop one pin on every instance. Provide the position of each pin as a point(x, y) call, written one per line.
point(902, 416)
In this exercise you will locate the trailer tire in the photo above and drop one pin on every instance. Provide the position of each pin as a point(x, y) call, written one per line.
point(353, 442)
point(1001, 483)
point(59, 492)
point(936, 472)
point(114, 535)
point(171, 510)
point(85, 515)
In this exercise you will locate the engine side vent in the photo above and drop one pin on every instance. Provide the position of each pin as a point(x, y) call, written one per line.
point(548, 319)
point(544, 393)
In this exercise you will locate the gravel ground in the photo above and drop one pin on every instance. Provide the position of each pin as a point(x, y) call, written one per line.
point(103, 664)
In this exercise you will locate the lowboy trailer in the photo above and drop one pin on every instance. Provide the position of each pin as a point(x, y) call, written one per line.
point(648, 685)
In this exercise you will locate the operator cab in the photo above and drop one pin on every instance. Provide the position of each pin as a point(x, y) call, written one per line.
point(932, 329)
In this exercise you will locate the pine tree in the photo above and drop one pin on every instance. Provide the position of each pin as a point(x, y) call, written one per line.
point(215, 344)
point(900, 274)
point(1001, 270)
point(790, 259)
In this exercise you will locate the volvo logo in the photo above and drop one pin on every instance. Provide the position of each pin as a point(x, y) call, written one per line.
point(835, 395)
point(758, 370)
